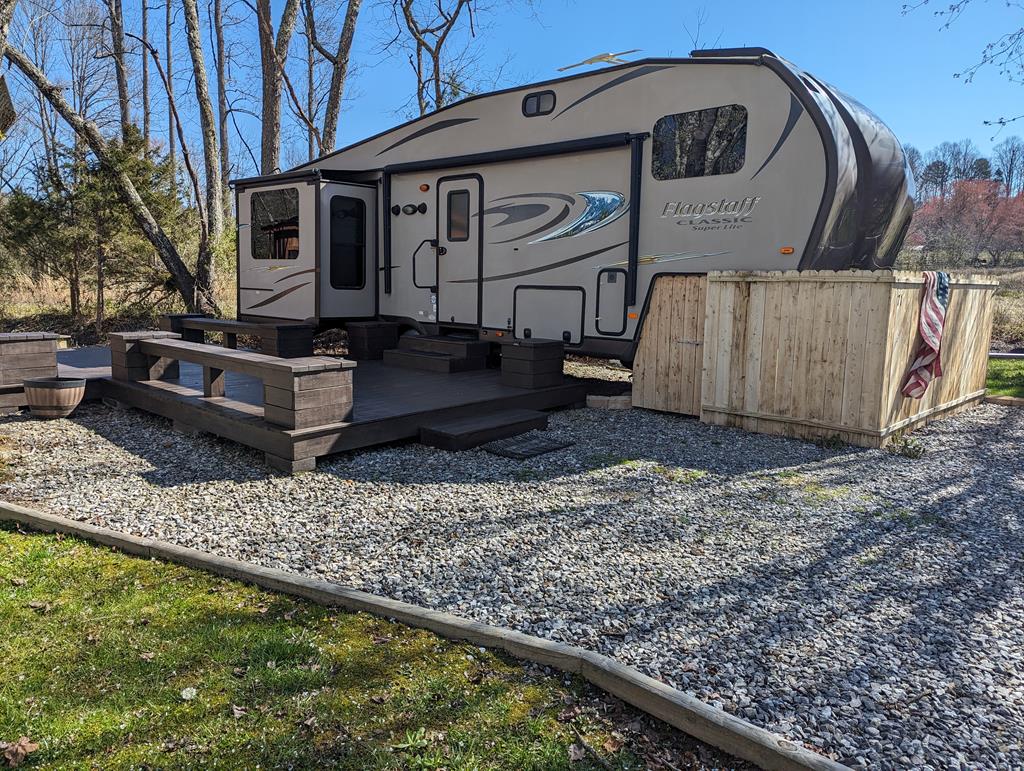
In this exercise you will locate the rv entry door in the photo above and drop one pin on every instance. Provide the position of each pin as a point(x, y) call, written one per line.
point(348, 280)
point(460, 245)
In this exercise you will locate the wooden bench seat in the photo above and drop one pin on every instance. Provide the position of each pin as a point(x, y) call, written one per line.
point(297, 393)
point(283, 339)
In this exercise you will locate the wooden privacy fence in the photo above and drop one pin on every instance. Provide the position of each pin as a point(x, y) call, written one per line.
point(814, 354)
point(670, 355)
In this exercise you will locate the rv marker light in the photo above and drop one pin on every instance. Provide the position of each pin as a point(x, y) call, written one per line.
point(424, 187)
point(786, 250)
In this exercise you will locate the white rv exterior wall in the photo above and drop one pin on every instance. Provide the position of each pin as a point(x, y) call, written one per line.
point(780, 201)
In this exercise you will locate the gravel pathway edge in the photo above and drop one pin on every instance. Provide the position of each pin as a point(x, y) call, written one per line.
point(690, 715)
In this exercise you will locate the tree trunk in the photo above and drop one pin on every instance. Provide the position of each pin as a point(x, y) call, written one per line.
point(211, 155)
point(310, 90)
point(145, 77)
point(169, 67)
point(272, 57)
point(101, 300)
point(75, 289)
point(6, 14)
point(222, 105)
point(120, 71)
point(88, 131)
point(340, 73)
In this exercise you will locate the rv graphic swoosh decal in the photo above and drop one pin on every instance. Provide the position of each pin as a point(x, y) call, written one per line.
point(441, 125)
point(613, 83)
point(514, 213)
point(275, 297)
point(293, 275)
point(652, 259)
point(603, 208)
point(795, 111)
point(542, 268)
point(557, 220)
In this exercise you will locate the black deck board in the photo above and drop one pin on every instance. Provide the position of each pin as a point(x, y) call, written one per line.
point(389, 402)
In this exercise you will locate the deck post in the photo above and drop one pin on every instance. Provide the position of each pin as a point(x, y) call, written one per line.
point(129, 362)
point(172, 322)
point(213, 381)
point(162, 368)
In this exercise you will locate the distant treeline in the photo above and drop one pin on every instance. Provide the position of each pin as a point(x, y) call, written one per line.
point(970, 208)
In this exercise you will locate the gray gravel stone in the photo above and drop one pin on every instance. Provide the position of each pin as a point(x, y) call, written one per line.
point(866, 604)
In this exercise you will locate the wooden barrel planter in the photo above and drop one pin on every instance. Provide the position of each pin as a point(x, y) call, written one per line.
point(54, 397)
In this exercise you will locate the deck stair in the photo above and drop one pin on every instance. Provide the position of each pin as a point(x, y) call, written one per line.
point(438, 353)
point(472, 431)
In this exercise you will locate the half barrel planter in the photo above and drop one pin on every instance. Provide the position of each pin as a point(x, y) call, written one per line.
point(54, 397)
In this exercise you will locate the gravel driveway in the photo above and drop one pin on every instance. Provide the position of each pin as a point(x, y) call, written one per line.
point(867, 604)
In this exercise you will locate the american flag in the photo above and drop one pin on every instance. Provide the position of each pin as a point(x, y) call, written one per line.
point(928, 364)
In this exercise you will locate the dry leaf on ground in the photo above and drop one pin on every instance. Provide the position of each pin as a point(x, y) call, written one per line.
point(16, 752)
point(612, 745)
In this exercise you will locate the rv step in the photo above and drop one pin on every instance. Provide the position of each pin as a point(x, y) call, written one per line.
point(464, 433)
point(432, 362)
point(466, 347)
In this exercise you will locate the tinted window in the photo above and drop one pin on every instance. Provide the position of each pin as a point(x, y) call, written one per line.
point(539, 103)
point(348, 242)
point(274, 224)
point(700, 143)
point(458, 215)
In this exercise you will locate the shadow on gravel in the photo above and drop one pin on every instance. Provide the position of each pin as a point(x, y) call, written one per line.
point(175, 459)
point(602, 440)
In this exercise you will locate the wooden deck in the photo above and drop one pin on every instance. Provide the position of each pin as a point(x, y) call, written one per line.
point(390, 403)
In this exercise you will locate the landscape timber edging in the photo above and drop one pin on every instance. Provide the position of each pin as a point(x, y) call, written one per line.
point(1005, 401)
point(680, 710)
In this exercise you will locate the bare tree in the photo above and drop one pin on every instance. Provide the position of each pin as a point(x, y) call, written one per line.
point(145, 75)
point(116, 17)
point(339, 61)
point(169, 74)
point(441, 39)
point(1009, 158)
point(211, 153)
point(273, 53)
point(88, 131)
point(6, 14)
point(223, 110)
point(430, 27)
point(1005, 53)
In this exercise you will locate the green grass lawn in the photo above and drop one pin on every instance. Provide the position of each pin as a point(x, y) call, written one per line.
point(1006, 377)
point(110, 661)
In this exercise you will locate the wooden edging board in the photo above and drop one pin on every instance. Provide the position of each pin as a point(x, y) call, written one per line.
point(688, 714)
point(1005, 401)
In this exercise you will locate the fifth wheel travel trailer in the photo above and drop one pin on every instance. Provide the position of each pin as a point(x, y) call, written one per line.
point(548, 210)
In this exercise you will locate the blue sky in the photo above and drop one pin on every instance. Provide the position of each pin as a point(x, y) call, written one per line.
point(901, 66)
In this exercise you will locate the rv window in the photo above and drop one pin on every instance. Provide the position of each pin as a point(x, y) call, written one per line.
point(348, 242)
point(274, 224)
point(458, 215)
point(700, 143)
point(539, 103)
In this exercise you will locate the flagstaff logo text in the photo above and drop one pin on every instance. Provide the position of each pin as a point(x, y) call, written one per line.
point(712, 215)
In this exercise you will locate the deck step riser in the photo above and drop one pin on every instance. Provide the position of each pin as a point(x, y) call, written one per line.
point(466, 349)
point(466, 433)
point(432, 362)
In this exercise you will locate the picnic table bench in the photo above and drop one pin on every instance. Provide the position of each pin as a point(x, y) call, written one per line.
point(287, 340)
point(297, 393)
